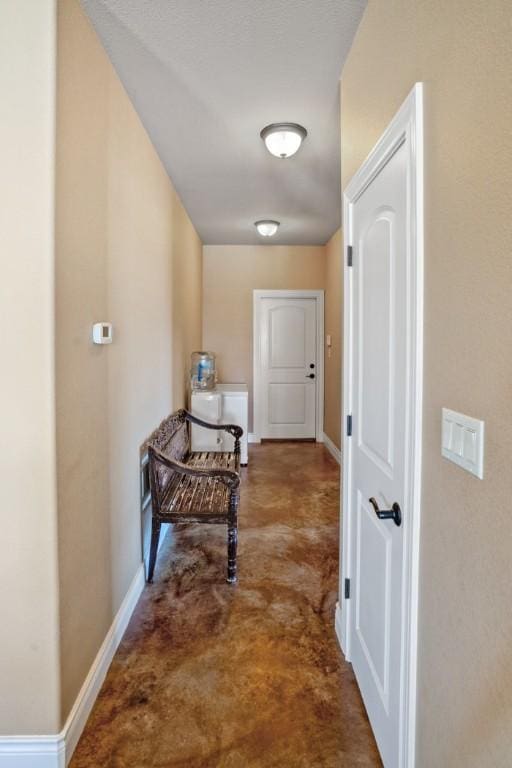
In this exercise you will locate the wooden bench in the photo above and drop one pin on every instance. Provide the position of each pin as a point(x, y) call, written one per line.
point(192, 487)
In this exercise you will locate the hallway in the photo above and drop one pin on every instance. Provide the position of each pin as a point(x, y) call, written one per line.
point(208, 675)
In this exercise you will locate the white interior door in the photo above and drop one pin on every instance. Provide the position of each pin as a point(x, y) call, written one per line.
point(379, 284)
point(382, 455)
point(288, 367)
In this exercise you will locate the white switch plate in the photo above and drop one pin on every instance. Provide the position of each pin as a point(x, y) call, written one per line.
point(462, 441)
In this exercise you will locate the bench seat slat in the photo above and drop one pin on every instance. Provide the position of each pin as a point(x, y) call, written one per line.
point(204, 497)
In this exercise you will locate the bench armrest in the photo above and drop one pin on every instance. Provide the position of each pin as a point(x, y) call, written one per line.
point(226, 476)
point(232, 429)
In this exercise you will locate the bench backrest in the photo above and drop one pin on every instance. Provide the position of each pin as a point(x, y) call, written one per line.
point(172, 439)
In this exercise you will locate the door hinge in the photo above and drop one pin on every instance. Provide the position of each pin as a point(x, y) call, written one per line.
point(349, 425)
point(349, 255)
point(347, 589)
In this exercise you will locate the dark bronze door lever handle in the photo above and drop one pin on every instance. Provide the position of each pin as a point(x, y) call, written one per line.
point(395, 513)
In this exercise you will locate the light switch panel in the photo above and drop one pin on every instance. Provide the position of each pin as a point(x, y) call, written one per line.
point(463, 441)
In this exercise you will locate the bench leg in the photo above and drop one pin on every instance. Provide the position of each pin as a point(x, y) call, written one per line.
point(232, 542)
point(232, 535)
point(155, 538)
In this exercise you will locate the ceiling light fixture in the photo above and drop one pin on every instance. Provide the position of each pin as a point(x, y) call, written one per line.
point(266, 227)
point(283, 139)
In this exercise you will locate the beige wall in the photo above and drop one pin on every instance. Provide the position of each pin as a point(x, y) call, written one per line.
point(461, 50)
point(126, 252)
point(29, 659)
point(230, 274)
point(333, 326)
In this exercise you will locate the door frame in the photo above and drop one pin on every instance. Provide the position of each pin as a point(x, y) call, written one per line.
point(405, 128)
point(258, 295)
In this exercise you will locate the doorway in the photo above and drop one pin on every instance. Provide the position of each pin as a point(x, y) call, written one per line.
point(377, 620)
point(288, 364)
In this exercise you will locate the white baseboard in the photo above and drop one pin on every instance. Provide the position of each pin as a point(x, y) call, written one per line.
point(338, 626)
point(87, 696)
point(32, 751)
point(56, 751)
point(164, 532)
point(333, 449)
point(252, 438)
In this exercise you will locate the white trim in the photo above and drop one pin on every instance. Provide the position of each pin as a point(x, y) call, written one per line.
point(92, 683)
point(164, 532)
point(318, 295)
point(332, 448)
point(56, 751)
point(252, 438)
point(338, 622)
point(32, 751)
point(406, 126)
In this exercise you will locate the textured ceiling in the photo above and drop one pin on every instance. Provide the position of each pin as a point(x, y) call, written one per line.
point(206, 75)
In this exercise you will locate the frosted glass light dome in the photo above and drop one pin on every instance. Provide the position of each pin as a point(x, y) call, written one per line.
point(266, 227)
point(283, 139)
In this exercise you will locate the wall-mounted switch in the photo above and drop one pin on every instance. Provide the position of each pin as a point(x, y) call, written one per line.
point(463, 441)
point(102, 333)
point(328, 340)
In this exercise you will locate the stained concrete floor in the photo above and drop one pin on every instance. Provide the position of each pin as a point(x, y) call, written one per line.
point(209, 675)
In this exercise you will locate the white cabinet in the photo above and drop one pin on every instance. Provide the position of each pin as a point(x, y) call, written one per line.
point(227, 404)
point(206, 406)
point(235, 411)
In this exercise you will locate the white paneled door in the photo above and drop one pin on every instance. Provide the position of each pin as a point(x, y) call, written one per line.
point(379, 281)
point(383, 391)
point(288, 372)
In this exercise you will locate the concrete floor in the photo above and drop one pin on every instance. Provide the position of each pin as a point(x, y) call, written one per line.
point(213, 675)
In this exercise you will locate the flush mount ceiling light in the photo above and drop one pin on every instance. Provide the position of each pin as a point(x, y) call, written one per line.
point(283, 139)
point(266, 227)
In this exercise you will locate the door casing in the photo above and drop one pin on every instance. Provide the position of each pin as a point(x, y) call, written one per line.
point(259, 294)
point(406, 127)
